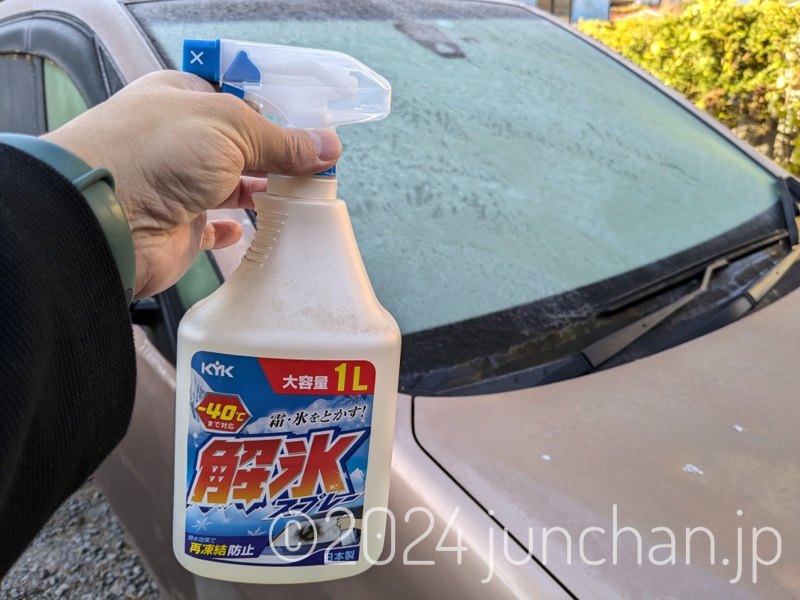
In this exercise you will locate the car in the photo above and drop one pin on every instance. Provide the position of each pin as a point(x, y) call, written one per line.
point(595, 281)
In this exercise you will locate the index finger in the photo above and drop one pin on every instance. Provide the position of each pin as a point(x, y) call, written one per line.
point(242, 196)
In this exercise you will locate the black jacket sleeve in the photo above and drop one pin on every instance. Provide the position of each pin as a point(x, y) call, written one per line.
point(68, 376)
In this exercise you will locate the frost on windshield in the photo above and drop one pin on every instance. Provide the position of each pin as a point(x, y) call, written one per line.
point(521, 166)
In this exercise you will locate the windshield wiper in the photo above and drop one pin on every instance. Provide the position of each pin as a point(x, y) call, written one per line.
point(788, 192)
point(596, 354)
point(788, 188)
point(749, 298)
point(686, 273)
point(604, 349)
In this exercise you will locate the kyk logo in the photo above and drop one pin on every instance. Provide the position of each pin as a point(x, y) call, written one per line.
point(216, 369)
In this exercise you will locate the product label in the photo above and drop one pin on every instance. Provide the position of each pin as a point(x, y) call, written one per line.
point(277, 458)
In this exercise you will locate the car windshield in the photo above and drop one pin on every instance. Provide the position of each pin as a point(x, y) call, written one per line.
point(519, 163)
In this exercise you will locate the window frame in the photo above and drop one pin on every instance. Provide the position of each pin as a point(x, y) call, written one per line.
point(69, 44)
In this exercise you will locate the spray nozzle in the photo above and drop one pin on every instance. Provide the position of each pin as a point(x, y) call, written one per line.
point(301, 87)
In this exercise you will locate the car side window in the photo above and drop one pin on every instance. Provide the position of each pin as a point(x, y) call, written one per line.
point(39, 96)
point(52, 69)
point(62, 98)
point(21, 95)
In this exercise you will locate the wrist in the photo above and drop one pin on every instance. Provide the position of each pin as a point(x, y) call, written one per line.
point(97, 187)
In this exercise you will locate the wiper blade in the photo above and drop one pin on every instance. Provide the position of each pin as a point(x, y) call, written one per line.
point(750, 297)
point(686, 273)
point(604, 349)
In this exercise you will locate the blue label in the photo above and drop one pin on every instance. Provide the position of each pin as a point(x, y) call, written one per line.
point(277, 459)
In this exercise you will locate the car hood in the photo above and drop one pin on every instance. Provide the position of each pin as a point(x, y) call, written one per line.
point(704, 435)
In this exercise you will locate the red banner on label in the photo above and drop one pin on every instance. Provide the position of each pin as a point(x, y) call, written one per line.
point(319, 377)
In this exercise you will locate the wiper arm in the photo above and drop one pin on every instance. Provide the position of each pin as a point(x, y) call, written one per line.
point(686, 273)
point(606, 348)
point(788, 195)
point(601, 351)
point(750, 297)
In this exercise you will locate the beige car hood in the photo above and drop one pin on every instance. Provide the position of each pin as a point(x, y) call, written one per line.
point(683, 439)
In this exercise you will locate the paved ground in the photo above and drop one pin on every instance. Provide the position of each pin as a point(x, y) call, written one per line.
point(82, 554)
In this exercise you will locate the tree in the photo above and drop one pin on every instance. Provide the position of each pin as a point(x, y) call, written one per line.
point(738, 62)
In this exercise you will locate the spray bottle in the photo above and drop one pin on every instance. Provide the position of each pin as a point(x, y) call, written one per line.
point(287, 374)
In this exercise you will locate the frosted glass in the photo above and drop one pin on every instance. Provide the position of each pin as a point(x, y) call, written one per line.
point(532, 165)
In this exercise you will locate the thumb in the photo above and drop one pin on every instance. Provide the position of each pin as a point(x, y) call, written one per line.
point(270, 148)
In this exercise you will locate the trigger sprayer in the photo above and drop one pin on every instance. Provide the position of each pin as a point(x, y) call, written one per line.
point(298, 87)
point(287, 374)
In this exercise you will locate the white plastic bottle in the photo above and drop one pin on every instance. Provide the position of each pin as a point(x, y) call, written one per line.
point(286, 392)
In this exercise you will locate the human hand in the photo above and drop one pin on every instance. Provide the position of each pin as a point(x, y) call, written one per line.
point(177, 149)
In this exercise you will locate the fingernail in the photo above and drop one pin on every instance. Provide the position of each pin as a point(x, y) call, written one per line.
point(327, 143)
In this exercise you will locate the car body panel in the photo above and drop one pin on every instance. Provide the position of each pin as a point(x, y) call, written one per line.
point(137, 479)
point(684, 438)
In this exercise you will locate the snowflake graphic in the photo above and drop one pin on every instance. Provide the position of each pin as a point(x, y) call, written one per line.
point(256, 531)
point(200, 524)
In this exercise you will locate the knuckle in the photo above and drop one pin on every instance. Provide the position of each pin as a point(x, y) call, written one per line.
point(295, 152)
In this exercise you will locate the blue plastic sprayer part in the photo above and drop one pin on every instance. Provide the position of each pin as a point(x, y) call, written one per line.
point(201, 57)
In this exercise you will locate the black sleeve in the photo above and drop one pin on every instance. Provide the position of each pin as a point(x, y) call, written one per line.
point(68, 371)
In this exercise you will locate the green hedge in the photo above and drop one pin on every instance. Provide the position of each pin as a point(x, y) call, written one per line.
point(739, 62)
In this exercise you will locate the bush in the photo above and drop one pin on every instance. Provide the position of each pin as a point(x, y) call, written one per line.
point(736, 61)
